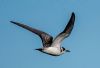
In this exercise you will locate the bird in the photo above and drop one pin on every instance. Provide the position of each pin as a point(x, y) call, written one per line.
point(51, 46)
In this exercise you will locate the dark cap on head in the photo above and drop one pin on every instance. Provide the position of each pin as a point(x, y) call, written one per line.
point(39, 49)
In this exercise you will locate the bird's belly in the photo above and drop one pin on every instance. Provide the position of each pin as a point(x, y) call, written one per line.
point(52, 50)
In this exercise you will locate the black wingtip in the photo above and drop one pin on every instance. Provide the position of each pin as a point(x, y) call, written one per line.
point(73, 14)
point(72, 19)
point(13, 22)
point(19, 24)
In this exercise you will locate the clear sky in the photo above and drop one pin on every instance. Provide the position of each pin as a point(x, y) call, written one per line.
point(17, 45)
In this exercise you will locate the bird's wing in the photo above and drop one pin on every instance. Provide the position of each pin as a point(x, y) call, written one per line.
point(46, 38)
point(65, 33)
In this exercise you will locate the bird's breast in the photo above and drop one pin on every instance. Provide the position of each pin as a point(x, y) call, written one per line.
point(52, 50)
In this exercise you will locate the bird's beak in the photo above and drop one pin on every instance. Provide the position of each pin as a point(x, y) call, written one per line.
point(39, 49)
point(68, 51)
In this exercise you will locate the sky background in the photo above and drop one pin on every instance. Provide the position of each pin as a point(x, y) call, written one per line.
point(17, 45)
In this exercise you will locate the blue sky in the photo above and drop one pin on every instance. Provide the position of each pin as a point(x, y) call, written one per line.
point(17, 45)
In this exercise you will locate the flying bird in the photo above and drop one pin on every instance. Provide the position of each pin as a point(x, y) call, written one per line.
point(52, 46)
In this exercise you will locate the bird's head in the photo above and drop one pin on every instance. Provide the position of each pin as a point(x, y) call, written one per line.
point(39, 49)
point(66, 50)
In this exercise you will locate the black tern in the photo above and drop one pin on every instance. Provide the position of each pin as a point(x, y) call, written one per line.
point(52, 46)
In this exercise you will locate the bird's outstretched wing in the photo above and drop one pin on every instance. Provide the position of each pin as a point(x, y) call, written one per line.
point(66, 32)
point(46, 38)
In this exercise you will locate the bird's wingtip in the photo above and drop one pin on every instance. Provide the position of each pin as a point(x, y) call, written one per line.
point(12, 21)
point(73, 13)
